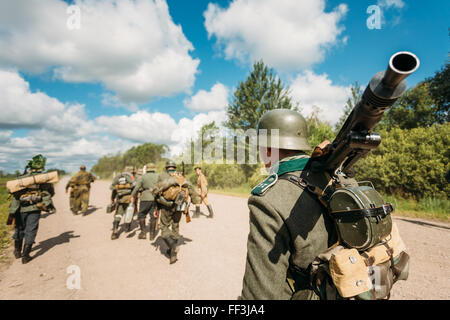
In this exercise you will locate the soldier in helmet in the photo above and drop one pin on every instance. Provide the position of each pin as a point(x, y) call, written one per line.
point(202, 185)
point(80, 185)
point(122, 186)
point(288, 226)
point(147, 205)
point(26, 206)
point(172, 210)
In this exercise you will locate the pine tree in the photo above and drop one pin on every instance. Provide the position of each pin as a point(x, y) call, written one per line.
point(261, 92)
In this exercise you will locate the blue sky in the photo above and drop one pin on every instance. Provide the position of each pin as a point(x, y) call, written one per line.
point(136, 71)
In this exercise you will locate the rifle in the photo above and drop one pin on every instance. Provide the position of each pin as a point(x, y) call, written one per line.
point(355, 140)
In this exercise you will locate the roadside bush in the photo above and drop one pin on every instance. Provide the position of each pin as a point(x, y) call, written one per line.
point(410, 162)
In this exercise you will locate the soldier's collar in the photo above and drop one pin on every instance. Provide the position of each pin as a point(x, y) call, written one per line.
point(290, 164)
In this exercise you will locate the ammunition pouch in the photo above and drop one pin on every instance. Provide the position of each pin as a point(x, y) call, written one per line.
point(30, 198)
point(124, 198)
point(166, 203)
point(123, 186)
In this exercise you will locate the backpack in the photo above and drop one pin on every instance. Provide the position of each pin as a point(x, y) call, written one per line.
point(177, 191)
point(369, 256)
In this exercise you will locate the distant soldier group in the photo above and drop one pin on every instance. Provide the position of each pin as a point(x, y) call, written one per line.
point(164, 196)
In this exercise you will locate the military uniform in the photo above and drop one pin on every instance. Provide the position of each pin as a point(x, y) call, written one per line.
point(288, 226)
point(146, 183)
point(121, 186)
point(170, 216)
point(202, 189)
point(26, 207)
point(288, 229)
point(80, 185)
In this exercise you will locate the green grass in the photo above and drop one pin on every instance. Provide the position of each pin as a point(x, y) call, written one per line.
point(242, 191)
point(427, 208)
point(5, 231)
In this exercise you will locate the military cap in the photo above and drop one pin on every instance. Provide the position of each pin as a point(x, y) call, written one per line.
point(82, 167)
point(292, 129)
point(170, 163)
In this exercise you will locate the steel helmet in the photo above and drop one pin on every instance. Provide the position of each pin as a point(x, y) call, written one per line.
point(292, 129)
point(170, 163)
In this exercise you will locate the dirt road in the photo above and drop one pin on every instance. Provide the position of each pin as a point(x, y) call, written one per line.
point(211, 257)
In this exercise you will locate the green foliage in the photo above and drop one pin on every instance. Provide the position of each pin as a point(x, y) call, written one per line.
point(351, 103)
point(262, 91)
point(318, 130)
point(5, 231)
point(136, 156)
point(439, 87)
point(410, 163)
point(415, 108)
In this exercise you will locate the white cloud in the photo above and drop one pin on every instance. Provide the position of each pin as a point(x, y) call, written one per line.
point(285, 33)
point(309, 90)
point(110, 100)
point(140, 126)
point(62, 132)
point(5, 135)
point(22, 108)
point(157, 127)
point(132, 47)
point(216, 99)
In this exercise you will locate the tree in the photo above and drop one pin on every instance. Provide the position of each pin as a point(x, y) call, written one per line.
point(262, 91)
point(351, 103)
point(415, 108)
point(439, 87)
point(318, 130)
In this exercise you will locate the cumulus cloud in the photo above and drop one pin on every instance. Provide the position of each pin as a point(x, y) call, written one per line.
point(161, 128)
point(5, 135)
point(132, 47)
point(140, 126)
point(311, 90)
point(284, 33)
point(215, 99)
point(22, 108)
point(62, 132)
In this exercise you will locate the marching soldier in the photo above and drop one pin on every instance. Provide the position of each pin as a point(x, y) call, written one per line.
point(147, 205)
point(202, 185)
point(171, 210)
point(288, 227)
point(121, 186)
point(80, 185)
point(26, 207)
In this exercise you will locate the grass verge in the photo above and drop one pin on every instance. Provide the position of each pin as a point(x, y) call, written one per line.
point(5, 231)
point(427, 208)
